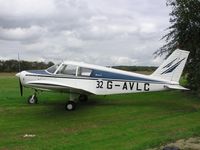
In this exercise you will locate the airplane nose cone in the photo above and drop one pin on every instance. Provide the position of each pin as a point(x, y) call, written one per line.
point(21, 76)
point(18, 74)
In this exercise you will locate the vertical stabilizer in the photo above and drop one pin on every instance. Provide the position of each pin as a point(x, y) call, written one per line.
point(172, 68)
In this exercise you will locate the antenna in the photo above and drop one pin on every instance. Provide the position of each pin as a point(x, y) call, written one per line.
point(19, 65)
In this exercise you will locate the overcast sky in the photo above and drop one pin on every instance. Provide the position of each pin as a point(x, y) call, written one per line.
point(103, 32)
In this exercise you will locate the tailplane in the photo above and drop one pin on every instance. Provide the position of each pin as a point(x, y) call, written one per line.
point(173, 66)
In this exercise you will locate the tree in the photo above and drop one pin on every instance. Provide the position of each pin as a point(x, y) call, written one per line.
point(13, 65)
point(184, 33)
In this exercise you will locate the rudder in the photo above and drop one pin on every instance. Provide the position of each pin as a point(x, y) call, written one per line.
point(172, 68)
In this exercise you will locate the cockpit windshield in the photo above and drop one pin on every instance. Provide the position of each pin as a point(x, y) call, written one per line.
point(53, 68)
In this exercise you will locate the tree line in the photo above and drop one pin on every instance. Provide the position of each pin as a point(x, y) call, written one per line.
point(184, 33)
point(137, 68)
point(16, 66)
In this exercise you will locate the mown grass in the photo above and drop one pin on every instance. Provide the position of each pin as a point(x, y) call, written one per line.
point(130, 121)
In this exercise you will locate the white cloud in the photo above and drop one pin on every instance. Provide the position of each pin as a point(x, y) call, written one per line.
point(33, 8)
point(148, 27)
point(102, 32)
point(21, 34)
point(123, 60)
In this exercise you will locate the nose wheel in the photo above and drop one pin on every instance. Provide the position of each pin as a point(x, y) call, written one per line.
point(32, 99)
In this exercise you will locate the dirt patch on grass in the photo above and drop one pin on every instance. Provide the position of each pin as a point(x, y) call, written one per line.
point(183, 144)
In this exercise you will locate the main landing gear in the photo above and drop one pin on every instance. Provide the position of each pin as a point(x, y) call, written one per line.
point(71, 104)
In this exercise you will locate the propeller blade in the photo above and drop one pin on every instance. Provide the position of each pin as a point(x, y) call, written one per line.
point(21, 88)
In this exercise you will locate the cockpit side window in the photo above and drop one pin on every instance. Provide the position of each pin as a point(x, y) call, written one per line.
point(53, 68)
point(86, 72)
point(67, 70)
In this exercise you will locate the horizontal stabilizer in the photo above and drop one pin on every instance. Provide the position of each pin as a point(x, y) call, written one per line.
point(178, 87)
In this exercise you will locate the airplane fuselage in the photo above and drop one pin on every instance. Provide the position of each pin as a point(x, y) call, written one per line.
point(83, 79)
point(43, 80)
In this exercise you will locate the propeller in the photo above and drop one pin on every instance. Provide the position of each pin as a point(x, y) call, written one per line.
point(18, 74)
point(21, 87)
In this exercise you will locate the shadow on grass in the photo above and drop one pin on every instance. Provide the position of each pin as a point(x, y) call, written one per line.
point(153, 102)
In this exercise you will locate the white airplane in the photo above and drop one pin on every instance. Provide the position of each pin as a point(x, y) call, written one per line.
point(81, 80)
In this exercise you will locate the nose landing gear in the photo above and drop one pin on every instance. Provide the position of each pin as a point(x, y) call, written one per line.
point(33, 99)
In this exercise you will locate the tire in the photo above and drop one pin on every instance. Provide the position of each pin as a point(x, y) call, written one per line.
point(83, 98)
point(32, 99)
point(70, 106)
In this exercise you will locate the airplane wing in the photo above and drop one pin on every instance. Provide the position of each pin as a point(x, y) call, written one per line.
point(176, 86)
point(56, 86)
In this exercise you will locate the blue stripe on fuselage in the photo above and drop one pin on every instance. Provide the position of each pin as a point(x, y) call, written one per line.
point(41, 72)
point(100, 74)
point(116, 76)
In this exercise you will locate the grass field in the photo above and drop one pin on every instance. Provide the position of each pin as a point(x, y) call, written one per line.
point(131, 121)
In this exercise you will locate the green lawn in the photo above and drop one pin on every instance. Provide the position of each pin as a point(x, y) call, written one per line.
point(130, 121)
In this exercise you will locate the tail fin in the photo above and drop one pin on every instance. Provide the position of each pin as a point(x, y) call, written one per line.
point(173, 66)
